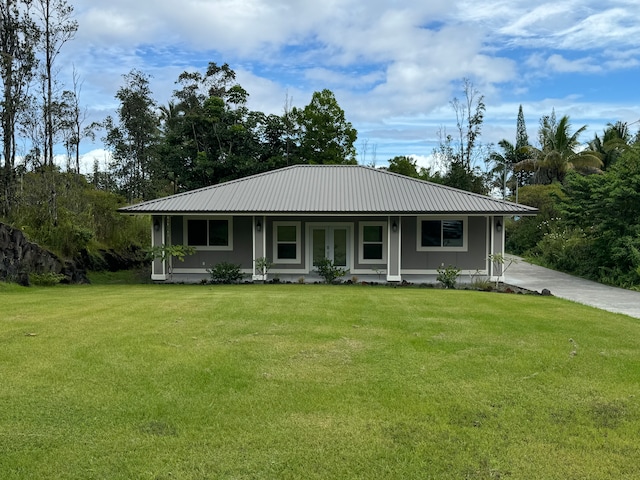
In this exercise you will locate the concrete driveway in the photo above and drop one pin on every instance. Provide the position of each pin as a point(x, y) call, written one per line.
point(612, 299)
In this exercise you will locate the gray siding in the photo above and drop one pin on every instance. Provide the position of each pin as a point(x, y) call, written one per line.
point(475, 258)
point(304, 264)
point(412, 260)
point(356, 236)
point(241, 254)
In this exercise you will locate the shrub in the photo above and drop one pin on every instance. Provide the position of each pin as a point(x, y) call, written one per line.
point(225, 272)
point(569, 250)
point(522, 235)
point(48, 279)
point(263, 265)
point(330, 272)
point(448, 276)
point(482, 283)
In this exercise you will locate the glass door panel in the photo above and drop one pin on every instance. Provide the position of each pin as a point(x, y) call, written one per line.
point(340, 247)
point(331, 243)
point(319, 237)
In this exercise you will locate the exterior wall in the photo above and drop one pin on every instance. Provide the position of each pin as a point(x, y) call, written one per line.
point(469, 261)
point(299, 267)
point(304, 267)
point(197, 264)
point(364, 268)
point(253, 238)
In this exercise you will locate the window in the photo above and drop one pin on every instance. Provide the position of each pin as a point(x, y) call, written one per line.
point(197, 232)
point(442, 234)
point(219, 233)
point(209, 234)
point(286, 242)
point(372, 242)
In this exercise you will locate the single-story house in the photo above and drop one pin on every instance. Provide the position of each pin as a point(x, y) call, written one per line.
point(380, 225)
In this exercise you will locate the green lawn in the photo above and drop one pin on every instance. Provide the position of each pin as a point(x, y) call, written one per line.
point(313, 382)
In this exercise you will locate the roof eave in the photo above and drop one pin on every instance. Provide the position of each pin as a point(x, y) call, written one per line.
point(131, 211)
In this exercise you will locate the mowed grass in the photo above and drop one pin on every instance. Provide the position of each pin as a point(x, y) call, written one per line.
point(313, 382)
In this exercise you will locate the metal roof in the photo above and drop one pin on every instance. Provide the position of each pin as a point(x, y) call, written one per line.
point(328, 189)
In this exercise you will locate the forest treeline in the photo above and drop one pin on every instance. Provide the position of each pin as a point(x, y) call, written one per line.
point(587, 192)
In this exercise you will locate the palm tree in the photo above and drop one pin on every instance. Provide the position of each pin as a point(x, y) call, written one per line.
point(506, 162)
point(560, 152)
point(615, 140)
point(503, 164)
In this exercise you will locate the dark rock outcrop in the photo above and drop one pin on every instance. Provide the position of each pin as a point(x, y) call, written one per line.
point(19, 257)
point(113, 260)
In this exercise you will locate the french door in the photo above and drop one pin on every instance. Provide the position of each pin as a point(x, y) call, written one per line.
point(330, 242)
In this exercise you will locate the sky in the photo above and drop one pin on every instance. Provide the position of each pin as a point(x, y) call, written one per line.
point(393, 65)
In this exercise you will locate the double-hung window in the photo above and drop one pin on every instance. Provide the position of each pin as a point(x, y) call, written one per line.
point(210, 233)
point(443, 234)
point(286, 242)
point(372, 242)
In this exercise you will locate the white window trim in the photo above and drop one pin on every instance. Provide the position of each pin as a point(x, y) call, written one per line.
point(465, 234)
point(228, 247)
point(298, 226)
point(383, 242)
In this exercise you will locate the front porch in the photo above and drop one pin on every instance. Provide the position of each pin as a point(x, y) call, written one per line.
point(374, 249)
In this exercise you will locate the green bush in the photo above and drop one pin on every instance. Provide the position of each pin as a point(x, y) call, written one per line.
point(63, 213)
point(225, 272)
point(448, 276)
point(523, 234)
point(48, 279)
point(329, 271)
point(566, 249)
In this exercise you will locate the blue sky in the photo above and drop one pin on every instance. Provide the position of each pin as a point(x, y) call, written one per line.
point(394, 66)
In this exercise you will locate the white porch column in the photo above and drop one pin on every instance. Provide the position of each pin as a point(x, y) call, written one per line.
point(259, 245)
point(159, 267)
point(394, 230)
point(497, 247)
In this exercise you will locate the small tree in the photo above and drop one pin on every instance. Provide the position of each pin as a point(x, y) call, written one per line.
point(448, 276)
point(499, 259)
point(329, 271)
point(461, 152)
point(263, 265)
point(163, 252)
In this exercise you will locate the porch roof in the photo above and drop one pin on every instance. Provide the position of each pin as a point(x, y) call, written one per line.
point(328, 189)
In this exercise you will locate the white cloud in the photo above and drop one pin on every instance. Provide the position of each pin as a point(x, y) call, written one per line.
point(394, 66)
point(560, 64)
point(613, 27)
point(97, 156)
